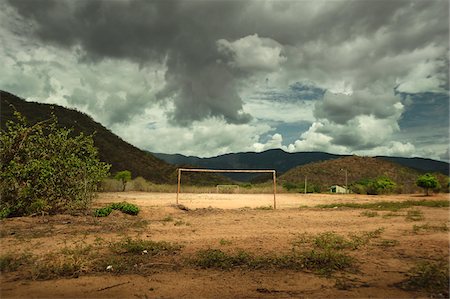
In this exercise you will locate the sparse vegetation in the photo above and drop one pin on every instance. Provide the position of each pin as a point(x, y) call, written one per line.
point(414, 215)
point(427, 227)
point(432, 277)
point(264, 208)
point(224, 242)
point(369, 214)
point(389, 205)
point(168, 218)
point(138, 246)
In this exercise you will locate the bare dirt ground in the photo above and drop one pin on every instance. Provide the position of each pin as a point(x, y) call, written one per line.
point(226, 222)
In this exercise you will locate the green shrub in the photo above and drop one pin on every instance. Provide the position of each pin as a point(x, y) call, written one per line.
point(103, 212)
point(46, 169)
point(124, 207)
point(427, 182)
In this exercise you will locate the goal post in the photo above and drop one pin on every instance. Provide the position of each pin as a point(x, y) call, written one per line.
point(274, 177)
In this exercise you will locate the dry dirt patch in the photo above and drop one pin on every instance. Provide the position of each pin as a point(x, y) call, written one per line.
point(227, 225)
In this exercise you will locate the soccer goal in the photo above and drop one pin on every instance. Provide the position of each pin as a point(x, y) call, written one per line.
point(274, 177)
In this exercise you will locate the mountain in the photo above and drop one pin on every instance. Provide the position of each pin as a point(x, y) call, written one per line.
point(276, 159)
point(282, 161)
point(322, 175)
point(112, 149)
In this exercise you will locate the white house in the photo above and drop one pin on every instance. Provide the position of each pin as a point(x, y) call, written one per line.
point(338, 189)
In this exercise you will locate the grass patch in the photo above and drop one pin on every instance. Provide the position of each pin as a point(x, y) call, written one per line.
point(323, 262)
point(224, 242)
point(138, 246)
point(264, 208)
point(391, 214)
point(387, 243)
point(181, 222)
point(10, 262)
point(414, 215)
point(334, 241)
point(168, 218)
point(427, 227)
point(389, 205)
point(53, 266)
point(432, 277)
point(369, 214)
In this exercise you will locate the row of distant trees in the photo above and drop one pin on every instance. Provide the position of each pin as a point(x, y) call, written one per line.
point(48, 169)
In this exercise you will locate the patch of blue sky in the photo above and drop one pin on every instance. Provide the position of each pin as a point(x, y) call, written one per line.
point(297, 92)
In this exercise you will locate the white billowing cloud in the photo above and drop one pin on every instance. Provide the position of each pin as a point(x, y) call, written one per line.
point(281, 111)
point(392, 148)
point(253, 53)
point(276, 141)
point(424, 77)
point(206, 138)
point(340, 108)
point(314, 140)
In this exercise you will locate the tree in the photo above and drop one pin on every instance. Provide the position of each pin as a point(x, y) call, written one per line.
point(427, 182)
point(46, 169)
point(123, 176)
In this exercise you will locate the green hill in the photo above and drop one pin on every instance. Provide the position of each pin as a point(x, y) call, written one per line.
point(112, 149)
point(322, 175)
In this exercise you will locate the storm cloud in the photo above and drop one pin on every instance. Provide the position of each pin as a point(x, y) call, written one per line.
point(340, 67)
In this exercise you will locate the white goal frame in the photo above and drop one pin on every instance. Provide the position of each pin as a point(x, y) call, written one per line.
point(274, 177)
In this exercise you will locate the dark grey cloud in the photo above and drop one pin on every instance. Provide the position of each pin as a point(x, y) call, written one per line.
point(183, 34)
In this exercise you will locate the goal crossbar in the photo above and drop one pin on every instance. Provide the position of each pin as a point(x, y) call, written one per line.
point(274, 176)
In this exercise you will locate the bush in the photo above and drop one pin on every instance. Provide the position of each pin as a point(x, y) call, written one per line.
point(46, 169)
point(380, 185)
point(124, 207)
point(427, 182)
point(103, 212)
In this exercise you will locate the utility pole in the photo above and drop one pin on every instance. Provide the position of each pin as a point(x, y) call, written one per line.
point(346, 180)
point(306, 183)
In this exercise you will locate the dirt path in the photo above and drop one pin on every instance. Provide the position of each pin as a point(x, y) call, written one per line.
point(379, 266)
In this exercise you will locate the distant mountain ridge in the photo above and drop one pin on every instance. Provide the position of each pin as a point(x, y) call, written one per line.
point(283, 161)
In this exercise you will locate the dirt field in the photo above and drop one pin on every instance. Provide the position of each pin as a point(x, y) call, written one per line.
point(67, 256)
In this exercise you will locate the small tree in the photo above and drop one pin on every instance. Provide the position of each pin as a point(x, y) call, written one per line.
point(46, 169)
point(427, 182)
point(123, 176)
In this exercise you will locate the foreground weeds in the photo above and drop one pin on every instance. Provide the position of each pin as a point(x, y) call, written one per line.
point(389, 205)
point(323, 254)
point(432, 277)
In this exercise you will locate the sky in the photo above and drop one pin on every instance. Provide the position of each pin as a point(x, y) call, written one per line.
point(204, 78)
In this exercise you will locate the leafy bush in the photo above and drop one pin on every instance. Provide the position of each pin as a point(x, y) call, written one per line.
point(46, 169)
point(103, 212)
point(124, 207)
point(380, 185)
point(427, 182)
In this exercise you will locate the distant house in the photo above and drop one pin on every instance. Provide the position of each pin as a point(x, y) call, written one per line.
point(338, 189)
